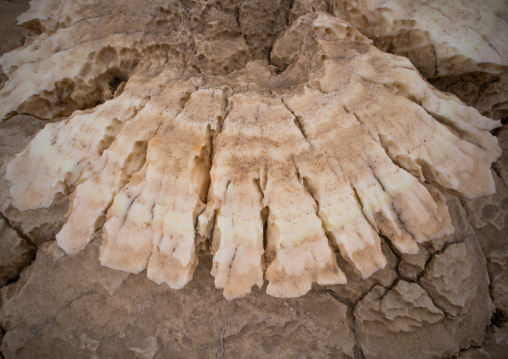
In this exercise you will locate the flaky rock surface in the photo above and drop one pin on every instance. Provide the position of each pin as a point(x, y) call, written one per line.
point(267, 132)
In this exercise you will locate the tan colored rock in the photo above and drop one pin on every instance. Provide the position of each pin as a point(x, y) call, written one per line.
point(455, 281)
point(302, 7)
point(489, 217)
point(495, 345)
point(411, 266)
point(15, 253)
point(484, 91)
point(501, 166)
point(490, 210)
point(322, 158)
point(93, 311)
point(38, 225)
point(461, 45)
point(65, 306)
point(357, 286)
point(12, 36)
point(396, 316)
point(440, 37)
point(151, 221)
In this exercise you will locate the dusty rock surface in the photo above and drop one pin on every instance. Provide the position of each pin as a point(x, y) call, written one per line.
point(437, 303)
point(92, 311)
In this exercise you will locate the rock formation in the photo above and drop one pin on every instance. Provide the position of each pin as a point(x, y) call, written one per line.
point(273, 135)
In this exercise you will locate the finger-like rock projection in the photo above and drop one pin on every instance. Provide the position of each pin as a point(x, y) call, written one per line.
point(279, 165)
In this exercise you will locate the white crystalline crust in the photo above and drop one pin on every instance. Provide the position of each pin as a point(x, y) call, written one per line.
point(345, 145)
point(440, 37)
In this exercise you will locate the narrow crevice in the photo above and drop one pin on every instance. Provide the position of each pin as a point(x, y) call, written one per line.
point(402, 224)
point(389, 288)
point(126, 174)
point(220, 126)
point(230, 268)
point(394, 250)
point(18, 231)
point(13, 114)
point(460, 131)
point(435, 60)
point(497, 319)
point(462, 350)
point(260, 189)
point(358, 118)
point(202, 163)
point(298, 123)
point(128, 208)
point(212, 230)
point(360, 204)
point(433, 254)
point(220, 354)
point(397, 214)
point(2, 334)
point(290, 7)
point(357, 349)
point(265, 213)
point(357, 199)
point(329, 236)
point(213, 135)
point(441, 308)
point(495, 168)
point(328, 7)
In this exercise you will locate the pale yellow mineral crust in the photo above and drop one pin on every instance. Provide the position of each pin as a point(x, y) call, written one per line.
point(278, 166)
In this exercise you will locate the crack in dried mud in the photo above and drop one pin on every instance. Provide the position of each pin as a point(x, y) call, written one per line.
point(357, 349)
point(220, 354)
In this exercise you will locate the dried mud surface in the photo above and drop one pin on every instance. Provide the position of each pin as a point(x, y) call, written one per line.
point(448, 300)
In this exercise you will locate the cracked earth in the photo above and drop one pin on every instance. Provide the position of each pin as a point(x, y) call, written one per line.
point(449, 299)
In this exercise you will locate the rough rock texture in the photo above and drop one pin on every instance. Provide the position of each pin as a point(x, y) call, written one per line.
point(440, 37)
point(495, 345)
point(336, 145)
point(485, 92)
point(434, 303)
point(448, 305)
point(489, 217)
point(12, 36)
point(93, 311)
point(462, 46)
point(15, 253)
point(38, 225)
